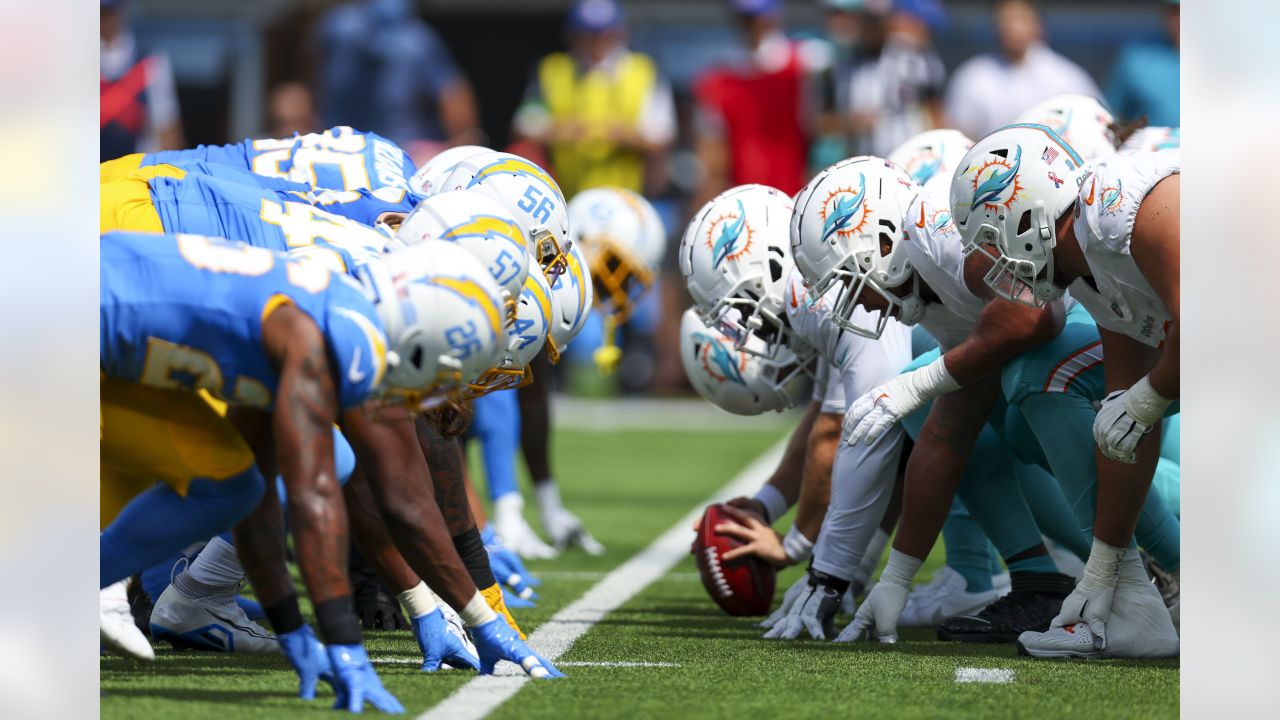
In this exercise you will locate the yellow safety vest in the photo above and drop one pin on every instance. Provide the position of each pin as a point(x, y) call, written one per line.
point(596, 100)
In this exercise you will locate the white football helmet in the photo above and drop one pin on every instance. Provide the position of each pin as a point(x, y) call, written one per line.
point(530, 195)
point(733, 379)
point(535, 312)
point(1153, 139)
point(1006, 198)
point(572, 295)
point(426, 181)
point(481, 226)
point(930, 153)
point(1080, 120)
point(624, 241)
point(442, 314)
point(847, 230)
point(735, 256)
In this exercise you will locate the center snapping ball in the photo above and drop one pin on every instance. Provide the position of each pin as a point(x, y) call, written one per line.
point(742, 586)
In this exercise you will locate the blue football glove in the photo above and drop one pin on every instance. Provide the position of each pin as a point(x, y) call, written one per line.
point(306, 654)
point(496, 640)
point(438, 645)
point(509, 569)
point(515, 601)
point(356, 681)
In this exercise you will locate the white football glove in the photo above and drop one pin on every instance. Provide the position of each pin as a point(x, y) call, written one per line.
point(798, 588)
point(884, 406)
point(1125, 416)
point(814, 611)
point(1090, 602)
point(883, 605)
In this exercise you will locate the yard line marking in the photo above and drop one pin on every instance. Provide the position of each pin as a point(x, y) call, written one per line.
point(484, 694)
point(570, 574)
point(983, 675)
point(618, 663)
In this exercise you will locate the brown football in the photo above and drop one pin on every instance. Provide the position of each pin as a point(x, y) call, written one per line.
point(743, 586)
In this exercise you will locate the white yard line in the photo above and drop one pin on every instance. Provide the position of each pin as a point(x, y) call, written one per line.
point(618, 663)
point(984, 675)
point(484, 694)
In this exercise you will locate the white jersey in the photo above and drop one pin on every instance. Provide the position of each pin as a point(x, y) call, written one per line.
point(856, 362)
point(936, 251)
point(1151, 139)
point(1110, 196)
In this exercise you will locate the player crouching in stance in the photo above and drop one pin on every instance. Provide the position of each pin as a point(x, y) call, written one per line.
point(1110, 233)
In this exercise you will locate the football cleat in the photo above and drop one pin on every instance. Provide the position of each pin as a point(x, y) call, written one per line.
point(945, 596)
point(1139, 627)
point(1076, 641)
point(1032, 603)
point(515, 531)
point(1169, 584)
point(214, 623)
point(116, 627)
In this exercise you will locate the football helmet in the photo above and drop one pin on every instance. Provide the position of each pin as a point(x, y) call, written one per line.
point(735, 257)
point(442, 314)
point(530, 195)
point(572, 295)
point(1006, 198)
point(931, 153)
point(623, 240)
point(523, 339)
point(741, 382)
point(1080, 120)
point(481, 226)
point(426, 181)
point(847, 230)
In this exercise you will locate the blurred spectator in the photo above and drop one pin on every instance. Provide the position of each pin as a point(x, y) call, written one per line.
point(138, 103)
point(1145, 78)
point(383, 69)
point(291, 110)
point(896, 81)
point(604, 113)
point(750, 126)
point(990, 90)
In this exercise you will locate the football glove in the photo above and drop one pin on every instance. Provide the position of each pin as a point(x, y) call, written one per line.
point(438, 645)
point(356, 682)
point(496, 640)
point(508, 568)
point(493, 596)
point(308, 658)
point(1125, 416)
point(814, 611)
point(793, 593)
point(883, 605)
point(1091, 601)
point(871, 415)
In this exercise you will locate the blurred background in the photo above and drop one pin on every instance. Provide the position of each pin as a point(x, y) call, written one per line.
point(677, 100)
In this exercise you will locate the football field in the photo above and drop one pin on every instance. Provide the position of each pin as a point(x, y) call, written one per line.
point(666, 650)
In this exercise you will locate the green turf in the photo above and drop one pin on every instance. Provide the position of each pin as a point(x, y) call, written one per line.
point(629, 487)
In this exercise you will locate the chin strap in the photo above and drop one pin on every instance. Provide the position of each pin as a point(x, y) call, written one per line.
point(608, 355)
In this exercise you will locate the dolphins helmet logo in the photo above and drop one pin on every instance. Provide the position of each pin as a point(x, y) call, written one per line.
point(996, 185)
point(940, 221)
point(924, 164)
point(1112, 198)
point(718, 361)
point(845, 211)
point(729, 236)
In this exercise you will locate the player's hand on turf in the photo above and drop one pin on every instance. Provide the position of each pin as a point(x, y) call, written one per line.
point(357, 682)
point(438, 645)
point(761, 540)
point(496, 640)
point(1125, 416)
point(511, 572)
point(879, 612)
point(873, 414)
point(798, 588)
point(1090, 601)
point(307, 655)
point(814, 611)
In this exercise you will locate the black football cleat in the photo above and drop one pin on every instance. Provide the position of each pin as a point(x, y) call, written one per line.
point(1032, 604)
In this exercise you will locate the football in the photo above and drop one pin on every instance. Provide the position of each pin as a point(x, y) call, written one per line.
point(742, 586)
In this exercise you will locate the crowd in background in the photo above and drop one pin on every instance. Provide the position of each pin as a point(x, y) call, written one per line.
point(600, 113)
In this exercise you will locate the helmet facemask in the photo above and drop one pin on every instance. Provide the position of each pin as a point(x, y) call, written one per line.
point(1022, 266)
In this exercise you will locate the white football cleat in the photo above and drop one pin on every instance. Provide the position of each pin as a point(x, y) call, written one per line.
point(563, 527)
point(515, 531)
point(1076, 641)
point(213, 623)
point(945, 596)
point(454, 622)
point(116, 628)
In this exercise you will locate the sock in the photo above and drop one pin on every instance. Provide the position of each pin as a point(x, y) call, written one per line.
point(156, 578)
point(217, 565)
point(159, 522)
point(547, 495)
point(967, 548)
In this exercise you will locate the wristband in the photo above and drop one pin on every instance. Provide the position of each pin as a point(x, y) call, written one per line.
point(337, 621)
point(284, 616)
point(900, 569)
point(1103, 567)
point(477, 611)
point(817, 577)
point(796, 545)
point(471, 549)
point(1144, 404)
point(418, 600)
point(926, 383)
point(775, 505)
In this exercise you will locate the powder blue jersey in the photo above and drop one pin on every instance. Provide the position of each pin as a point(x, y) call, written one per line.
point(187, 312)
